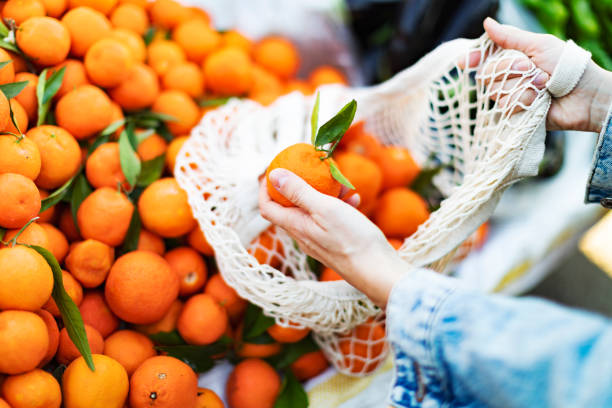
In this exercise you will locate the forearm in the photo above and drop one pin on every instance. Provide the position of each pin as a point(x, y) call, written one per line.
point(601, 82)
point(497, 350)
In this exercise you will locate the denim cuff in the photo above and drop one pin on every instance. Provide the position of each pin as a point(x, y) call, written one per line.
point(599, 186)
point(411, 314)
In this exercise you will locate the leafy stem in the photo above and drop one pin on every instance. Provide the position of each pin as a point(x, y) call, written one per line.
point(13, 241)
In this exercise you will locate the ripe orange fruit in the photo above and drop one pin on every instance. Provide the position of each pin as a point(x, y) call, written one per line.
point(152, 147)
point(267, 249)
point(34, 234)
point(140, 287)
point(4, 404)
point(325, 75)
point(44, 39)
point(139, 90)
point(168, 13)
point(27, 97)
point(90, 261)
point(103, 6)
point(36, 389)
point(84, 111)
point(198, 241)
point(108, 62)
point(202, 320)
point(164, 209)
point(289, 334)
point(365, 175)
point(19, 156)
point(163, 382)
point(59, 152)
point(19, 63)
point(253, 350)
point(103, 167)
point(166, 323)
point(21, 10)
point(21, 118)
point(148, 241)
point(298, 85)
point(86, 26)
point(23, 341)
point(131, 17)
point(328, 274)
point(97, 314)
point(74, 290)
point(7, 73)
point(190, 267)
point(134, 43)
point(20, 200)
point(197, 38)
point(398, 167)
point(105, 216)
point(234, 38)
point(186, 77)
point(228, 71)
point(55, 8)
point(266, 87)
point(53, 332)
point(278, 55)
point(369, 345)
point(399, 212)
point(67, 351)
point(5, 111)
point(252, 384)
point(49, 215)
point(129, 348)
point(358, 140)
point(117, 114)
point(74, 76)
point(26, 280)
point(67, 226)
point(179, 105)
point(163, 54)
point(208, 399)
point(226, 296)
point(303, 160)
point(107, 387)
point(173, 150)
point(309, 365)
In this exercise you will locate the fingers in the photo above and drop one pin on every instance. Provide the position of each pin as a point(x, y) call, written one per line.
point(507, 36)
point(350, 196)
point(296, 190)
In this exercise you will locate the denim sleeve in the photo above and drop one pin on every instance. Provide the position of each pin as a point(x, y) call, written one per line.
point(455, 347)
point(599, 186)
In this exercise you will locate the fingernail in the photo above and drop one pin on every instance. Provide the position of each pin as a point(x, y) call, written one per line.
point(541, 79)
point(520, 66)
point(278, 178)
point(490, 20)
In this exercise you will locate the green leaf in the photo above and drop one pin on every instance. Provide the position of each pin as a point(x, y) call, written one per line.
point(112, 128)
point(143, 135)
point(2, 233)
point(100, 140)
point(336, 174)
point(46, 90)
point(292, 351)
point(9, 46)
point(200, 358)
point(133, 233)
point(333, 130)
point(13, 89)
point(4, 31)
point(71, 316)
point(130, 163)
point(255, 323)
point(80, 191)
point(5, 63)
point(292, 394)
point(148, 35)
point(58, 373)
point(314, 119)
point(151, 170)
point(56, 196)
point(163, 131)
point(171, 338)
point(150, 115)
point(424, 186)
point(213, 102)
point(263, 338)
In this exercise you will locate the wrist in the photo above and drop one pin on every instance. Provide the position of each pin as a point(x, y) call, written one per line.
point(601, 98)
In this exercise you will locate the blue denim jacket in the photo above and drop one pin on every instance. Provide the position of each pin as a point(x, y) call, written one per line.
point(456, 347)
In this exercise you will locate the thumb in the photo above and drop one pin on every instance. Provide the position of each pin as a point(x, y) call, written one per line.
point(295, 189)
point(509, 37)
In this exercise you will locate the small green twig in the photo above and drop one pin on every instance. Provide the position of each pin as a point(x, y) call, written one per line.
point(13, 241)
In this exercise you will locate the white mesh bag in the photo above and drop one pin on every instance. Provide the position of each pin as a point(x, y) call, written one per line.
point(439, 107)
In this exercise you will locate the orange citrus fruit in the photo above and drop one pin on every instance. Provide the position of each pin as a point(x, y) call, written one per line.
point(197, 38)
point(96, 313)
point(188, 264)
point(44, 39)
point(129, 348)
point(35, 389)
point(19, 156)
point(84, 111)
point(53, 332)
point(202, 320)
point(105, 216)
point(90, 261)
point(229, 71)
point(67, 351)
point(226, 296)
point(179, 105)
point(139, 90)
point(108, 62)
point(86, 26)
point(20, 200)
point(130, 17)
point(309, 365)
point(252, 384)
point(74, 290)
point(399, 212)
point(23, 341)
point(103, 167)
point(21, 10)
point(278, 55)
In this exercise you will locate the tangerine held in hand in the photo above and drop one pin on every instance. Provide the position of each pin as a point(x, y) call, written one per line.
point(303, 160)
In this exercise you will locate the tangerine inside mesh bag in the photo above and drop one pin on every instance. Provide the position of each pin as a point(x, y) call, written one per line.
point(442, 109)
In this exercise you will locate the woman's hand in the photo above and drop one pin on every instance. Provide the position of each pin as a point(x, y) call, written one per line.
point(335, 233)
point(586, 107)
